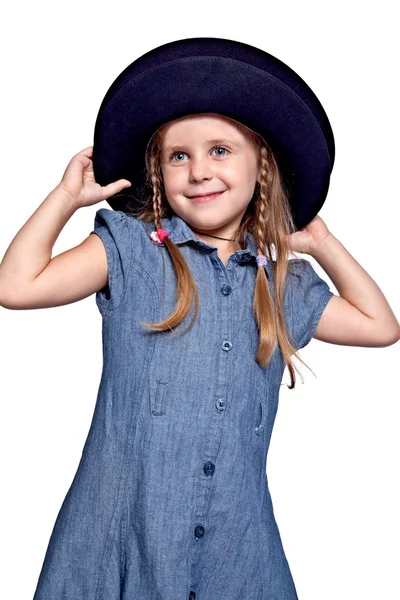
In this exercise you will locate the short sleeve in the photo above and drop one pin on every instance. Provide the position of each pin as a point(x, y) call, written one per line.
point(309, 296)
point(113, 229)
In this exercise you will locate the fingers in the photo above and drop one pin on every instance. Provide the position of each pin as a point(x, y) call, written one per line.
point(86, 151)
point(115, 187)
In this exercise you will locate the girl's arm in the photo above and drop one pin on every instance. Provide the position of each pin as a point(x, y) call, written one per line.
point(361, 315)
point(30, 278)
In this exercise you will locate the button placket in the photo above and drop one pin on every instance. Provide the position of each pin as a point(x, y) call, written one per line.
point(217, 408)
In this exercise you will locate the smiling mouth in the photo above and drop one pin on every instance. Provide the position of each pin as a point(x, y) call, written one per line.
point(205, 198)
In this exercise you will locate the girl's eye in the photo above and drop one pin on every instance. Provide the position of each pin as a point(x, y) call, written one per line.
point(175, 153)
point(215, 148)
point(221, 148)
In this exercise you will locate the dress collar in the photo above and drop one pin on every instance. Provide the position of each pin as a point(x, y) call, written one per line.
point(179, 232)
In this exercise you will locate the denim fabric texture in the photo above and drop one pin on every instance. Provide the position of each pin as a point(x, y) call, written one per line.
point(170, 500)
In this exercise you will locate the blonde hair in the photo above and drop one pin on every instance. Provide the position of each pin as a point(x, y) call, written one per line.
point(268, 218)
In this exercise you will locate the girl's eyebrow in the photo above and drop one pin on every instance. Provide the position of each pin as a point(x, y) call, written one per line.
point(216, 141)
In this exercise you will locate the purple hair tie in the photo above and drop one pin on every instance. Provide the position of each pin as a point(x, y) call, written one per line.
point(261, 260)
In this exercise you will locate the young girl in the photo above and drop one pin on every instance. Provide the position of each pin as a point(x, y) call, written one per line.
point(170, 500)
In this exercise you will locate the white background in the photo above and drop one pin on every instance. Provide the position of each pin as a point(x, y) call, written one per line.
point(333, 464)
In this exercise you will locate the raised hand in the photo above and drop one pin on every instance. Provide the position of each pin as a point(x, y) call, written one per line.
point(78, 181)
point(308, 239)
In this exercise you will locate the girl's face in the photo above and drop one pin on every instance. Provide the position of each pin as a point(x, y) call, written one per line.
point(208, 153)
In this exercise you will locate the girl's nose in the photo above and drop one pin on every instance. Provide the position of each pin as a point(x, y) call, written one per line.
point(200, 168)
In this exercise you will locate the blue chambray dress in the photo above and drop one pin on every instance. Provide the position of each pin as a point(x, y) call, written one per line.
point(170, 500)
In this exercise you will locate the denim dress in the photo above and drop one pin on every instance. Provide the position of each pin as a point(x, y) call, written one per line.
point(170, 500)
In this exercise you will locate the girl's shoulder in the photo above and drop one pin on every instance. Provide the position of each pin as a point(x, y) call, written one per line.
point(303, 279)
point(308, 295)
point(128, 249)
point(114, 218)
point(125, 230)
point(299, 266)
point(118, 218)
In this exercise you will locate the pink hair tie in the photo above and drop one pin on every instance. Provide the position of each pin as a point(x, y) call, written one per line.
point(261, 260)
point(159, 236)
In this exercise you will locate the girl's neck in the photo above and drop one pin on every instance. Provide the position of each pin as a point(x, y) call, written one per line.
point(225, 246)
point(213, 236)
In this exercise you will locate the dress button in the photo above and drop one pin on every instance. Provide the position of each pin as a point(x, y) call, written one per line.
point(226, 290)
point(220, 404)
point(199, 531)
point(209, 468)
point(226, 345)
point(192, 595)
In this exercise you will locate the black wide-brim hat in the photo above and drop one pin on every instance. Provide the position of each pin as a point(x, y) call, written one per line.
point(244, 83)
